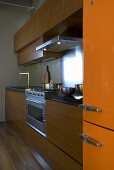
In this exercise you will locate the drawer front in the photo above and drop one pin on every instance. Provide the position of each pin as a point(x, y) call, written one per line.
point(58, 160)
point(64, 124)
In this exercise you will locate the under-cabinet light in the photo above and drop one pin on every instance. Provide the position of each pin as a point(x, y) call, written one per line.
point(58, 42)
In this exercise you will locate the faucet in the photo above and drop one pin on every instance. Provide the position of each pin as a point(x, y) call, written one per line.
point(28, 79)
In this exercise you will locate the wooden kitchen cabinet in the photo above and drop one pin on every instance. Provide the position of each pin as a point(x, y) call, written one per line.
point(15, 108)
point(40, 20)
point(71, 6)
point(24, 36)
point(29, 53)
point(64, 124)
point(32, 29)
point(15, 113)
point(99, 62)
point(98, 158)
point(56, 12)
point(50, 14)
point(52, 155)
point(57, 159)
point(35, 139)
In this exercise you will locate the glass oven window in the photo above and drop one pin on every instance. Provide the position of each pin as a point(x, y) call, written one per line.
point(35, 112)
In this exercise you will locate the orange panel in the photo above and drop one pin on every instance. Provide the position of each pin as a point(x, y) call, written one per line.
point(99, 61)
point(101, 158)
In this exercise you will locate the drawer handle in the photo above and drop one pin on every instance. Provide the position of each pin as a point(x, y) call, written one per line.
point(90, 140)
point(89, 108)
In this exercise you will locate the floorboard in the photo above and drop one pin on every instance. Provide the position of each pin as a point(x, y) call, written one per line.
point(15, 154)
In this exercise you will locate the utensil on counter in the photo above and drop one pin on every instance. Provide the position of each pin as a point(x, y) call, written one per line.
point(54, 86)
point(79, 88)
point(47, 76)
point(57, 86)
point(68, 91)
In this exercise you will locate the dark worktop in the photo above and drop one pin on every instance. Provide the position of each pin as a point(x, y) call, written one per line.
point(16, 89)
point(64, 99)
point(51, 95)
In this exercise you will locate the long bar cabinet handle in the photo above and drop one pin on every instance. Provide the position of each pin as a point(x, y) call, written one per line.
point(90, 140)
point(89, 108)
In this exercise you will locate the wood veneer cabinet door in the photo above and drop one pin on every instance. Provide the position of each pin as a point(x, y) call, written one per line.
point(98, 158)
point(41, 20)
point(33, 28)
point(15, 108)
point(56, 12)
point(29, 53)
point(99, 61)
point(58, 160)
point(24, 36)
point(35, 139)
point(64, 124)
point(71, 6)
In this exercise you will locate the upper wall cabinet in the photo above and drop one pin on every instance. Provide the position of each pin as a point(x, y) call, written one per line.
point(56, 12)
point(71, 6)
point(33, 28)
point(50, 14)
point(29, 53)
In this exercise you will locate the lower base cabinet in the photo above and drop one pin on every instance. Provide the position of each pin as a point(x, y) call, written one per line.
point(64, 126)
point(15, 114)
point(53, 156)
point(15, 108)
point(58, 160)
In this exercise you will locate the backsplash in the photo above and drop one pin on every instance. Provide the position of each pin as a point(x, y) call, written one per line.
point(37, 72)
point(68, 70)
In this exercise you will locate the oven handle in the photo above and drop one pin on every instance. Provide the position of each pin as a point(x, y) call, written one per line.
point(36, 104)
point(40, 102)
point(31, 101)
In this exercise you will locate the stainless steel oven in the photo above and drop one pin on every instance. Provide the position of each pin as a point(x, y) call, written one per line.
point(35, 110)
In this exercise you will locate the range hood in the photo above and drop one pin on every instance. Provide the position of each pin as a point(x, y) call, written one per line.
point(60, 43)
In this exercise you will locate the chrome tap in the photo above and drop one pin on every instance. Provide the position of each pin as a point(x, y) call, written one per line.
point(28, 78)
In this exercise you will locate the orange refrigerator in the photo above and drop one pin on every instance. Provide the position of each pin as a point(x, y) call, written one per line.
point(98, 105)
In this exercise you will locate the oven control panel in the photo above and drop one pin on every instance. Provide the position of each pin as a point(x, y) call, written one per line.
point(35, 95)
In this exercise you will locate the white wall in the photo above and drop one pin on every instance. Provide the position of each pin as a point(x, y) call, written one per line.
point(11, 18)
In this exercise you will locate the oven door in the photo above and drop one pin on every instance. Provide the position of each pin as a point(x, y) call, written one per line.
point(36, 116)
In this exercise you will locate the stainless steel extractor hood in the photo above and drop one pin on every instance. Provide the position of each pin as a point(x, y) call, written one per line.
point(60, 43)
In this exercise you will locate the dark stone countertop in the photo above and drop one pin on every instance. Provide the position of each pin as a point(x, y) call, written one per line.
point(16, 89)
point(51, 95)
point(59, 97)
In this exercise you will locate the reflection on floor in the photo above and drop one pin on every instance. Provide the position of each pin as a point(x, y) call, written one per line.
point(15, 154)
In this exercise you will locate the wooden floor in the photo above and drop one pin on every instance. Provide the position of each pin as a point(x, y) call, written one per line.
point(15, 154)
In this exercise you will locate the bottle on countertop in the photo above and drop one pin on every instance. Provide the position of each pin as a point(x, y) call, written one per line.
point(47, 76)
